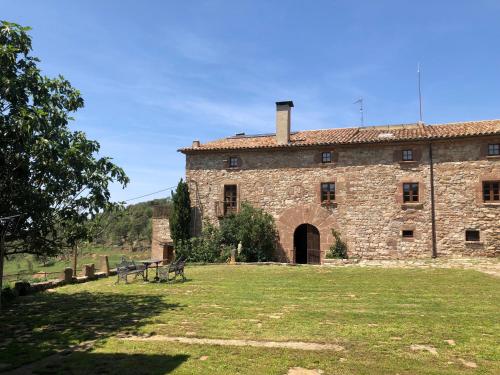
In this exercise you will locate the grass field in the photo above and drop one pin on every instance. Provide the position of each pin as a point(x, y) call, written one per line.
point(27, 264)
point(376, 315)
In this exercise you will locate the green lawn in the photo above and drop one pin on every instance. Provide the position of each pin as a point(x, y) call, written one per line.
point(375, 314)
point(27, 264)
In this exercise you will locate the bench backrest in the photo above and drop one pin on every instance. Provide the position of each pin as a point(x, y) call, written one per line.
point(126, 265)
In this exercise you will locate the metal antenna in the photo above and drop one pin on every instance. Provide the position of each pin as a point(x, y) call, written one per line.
point(419, 93)
point(360, 102)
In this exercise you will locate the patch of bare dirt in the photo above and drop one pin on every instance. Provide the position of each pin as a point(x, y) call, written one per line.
point(426, 348)
point(298, 345)
point(468, 364)
point(303, 371)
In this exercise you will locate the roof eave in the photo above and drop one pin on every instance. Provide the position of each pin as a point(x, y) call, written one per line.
point(189, 150)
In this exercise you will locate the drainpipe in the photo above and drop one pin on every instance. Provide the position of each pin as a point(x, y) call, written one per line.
point(433, 204)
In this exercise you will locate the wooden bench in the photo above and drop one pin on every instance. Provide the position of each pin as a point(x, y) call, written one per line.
point(176, 267)
point(128, 267)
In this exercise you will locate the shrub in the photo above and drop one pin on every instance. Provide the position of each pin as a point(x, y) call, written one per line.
point(207, 248)
point(183, 250)
point(339, 248)
point(256, 231)
point(252, 227)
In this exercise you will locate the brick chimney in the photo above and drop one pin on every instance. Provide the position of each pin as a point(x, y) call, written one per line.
point(283, 112)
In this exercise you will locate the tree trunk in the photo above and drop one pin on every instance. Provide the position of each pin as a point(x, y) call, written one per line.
point(2, 256)
point(75, 256)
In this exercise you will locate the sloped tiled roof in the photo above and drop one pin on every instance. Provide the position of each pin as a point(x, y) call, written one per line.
point(375, 134)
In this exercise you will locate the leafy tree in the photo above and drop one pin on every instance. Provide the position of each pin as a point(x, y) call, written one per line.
point(339, 247)
point(256, 231)
point(180, 217)
point(49, 174)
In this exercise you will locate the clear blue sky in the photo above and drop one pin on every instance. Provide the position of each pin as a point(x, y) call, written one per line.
point(157, 74)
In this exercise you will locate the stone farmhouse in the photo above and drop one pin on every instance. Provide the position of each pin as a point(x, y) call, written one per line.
point(392, 192)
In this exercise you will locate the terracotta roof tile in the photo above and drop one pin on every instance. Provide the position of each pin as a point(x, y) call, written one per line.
point(375, 134)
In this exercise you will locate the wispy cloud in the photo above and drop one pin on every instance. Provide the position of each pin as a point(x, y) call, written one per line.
point(193, 47)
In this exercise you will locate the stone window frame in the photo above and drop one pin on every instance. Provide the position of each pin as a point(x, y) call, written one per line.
point(493, 149)
point(407, 155)
point(318, 157)
point(422, 193)
point(473, 230)
point(412, 228)
point(327, 160)
point(413, 196)
point(237, 166)
point(416, 151)
point(479, 190)
point(331, 203)
point(491, 191)
point(220, 202)
point(408, 237)
point(485, 148)
point(417, 235)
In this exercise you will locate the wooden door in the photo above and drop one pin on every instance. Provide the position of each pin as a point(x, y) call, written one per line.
point(230, 199)
point(313, 250)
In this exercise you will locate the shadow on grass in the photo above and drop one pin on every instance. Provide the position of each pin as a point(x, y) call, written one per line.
point(38, 325)
point(119, 363)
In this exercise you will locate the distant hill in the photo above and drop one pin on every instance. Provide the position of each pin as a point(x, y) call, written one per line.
point(131, 227)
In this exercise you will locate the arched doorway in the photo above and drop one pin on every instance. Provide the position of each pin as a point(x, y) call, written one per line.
point(306, 244)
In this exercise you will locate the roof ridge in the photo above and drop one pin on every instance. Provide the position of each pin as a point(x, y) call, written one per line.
point(357, 135)
point(463, 122)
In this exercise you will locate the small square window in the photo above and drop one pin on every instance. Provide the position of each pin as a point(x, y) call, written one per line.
point(472, 235)
point(407, 155)
point(407, 233)
point(410, 192)
point(327, 192)
point(233, 162)
point(494, 149)
point(326, 157)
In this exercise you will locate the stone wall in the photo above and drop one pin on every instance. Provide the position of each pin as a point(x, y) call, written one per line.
point(460, 170)
point(160, 238)
point(368, 211)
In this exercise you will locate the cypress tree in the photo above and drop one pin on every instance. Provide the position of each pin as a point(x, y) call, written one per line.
point(180, 219)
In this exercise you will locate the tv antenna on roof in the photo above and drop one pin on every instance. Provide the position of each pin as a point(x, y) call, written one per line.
point(419, 94)
point(361, 110)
